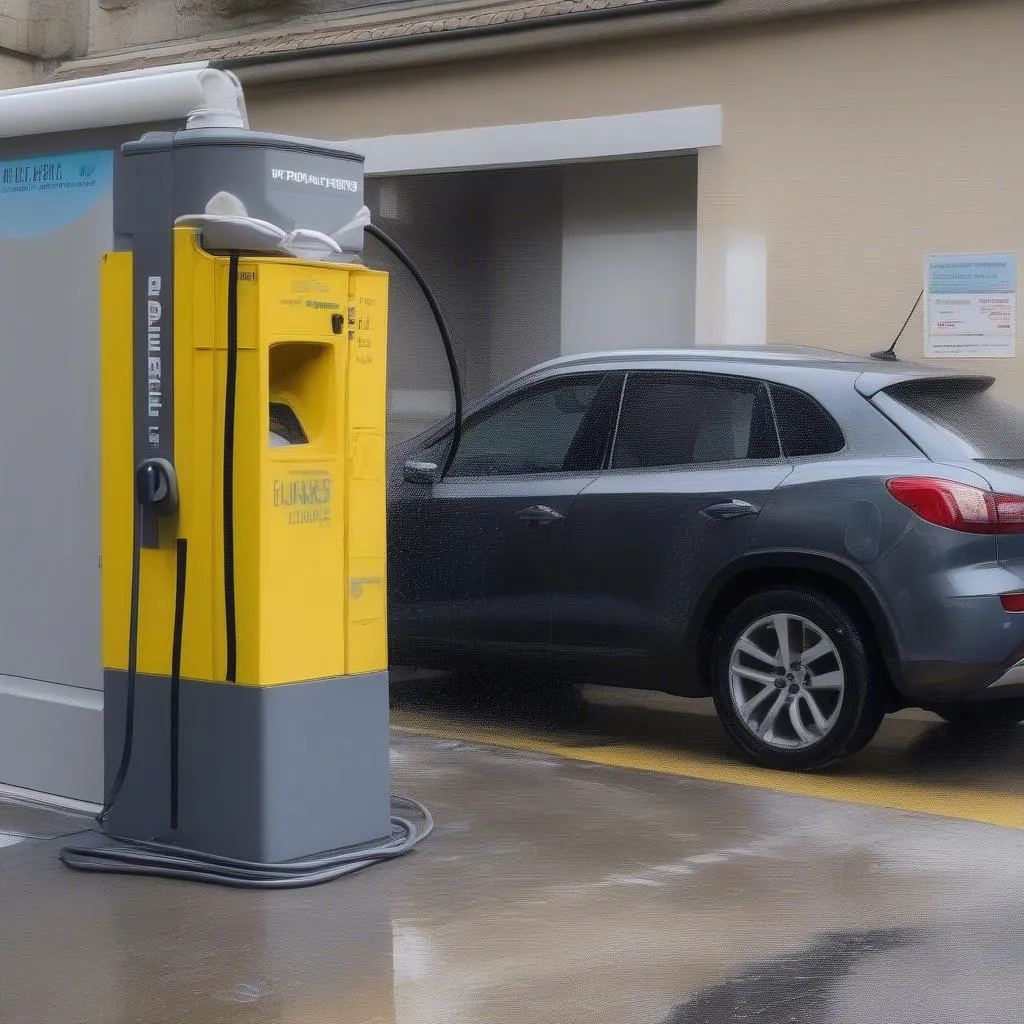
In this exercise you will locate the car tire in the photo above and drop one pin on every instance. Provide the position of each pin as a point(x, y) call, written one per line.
point(995, 715)
point(805, 714)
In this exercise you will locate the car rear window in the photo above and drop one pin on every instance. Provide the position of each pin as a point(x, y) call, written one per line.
point(980, 426)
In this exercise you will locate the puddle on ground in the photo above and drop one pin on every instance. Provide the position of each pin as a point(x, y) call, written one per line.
point(791, 989)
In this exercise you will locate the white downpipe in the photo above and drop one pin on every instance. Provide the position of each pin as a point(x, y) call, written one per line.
point(206, 97)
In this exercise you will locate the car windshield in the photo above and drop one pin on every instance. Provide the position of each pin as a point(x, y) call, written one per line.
point(981, 427)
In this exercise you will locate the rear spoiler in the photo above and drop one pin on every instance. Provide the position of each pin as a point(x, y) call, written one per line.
point(870, 383)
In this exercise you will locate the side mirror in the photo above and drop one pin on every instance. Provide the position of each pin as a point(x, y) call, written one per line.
point(421, 472)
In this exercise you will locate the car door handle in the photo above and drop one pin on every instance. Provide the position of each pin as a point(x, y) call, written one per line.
point(729, 510)
point(539, 515)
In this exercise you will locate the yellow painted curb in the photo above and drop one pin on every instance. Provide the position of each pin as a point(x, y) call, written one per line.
point(963, 804)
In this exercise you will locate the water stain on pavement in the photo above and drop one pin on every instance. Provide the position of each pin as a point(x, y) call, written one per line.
point(792, 989)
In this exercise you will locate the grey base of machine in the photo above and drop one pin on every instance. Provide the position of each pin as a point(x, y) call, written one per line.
point(265, 774)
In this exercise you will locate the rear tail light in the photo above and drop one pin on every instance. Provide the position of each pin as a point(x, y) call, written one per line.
point(1012, 602)
point(959, 507)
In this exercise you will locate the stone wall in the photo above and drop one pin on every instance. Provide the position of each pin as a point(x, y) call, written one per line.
point(42, 29)
point(120, 24)
point(38, 36)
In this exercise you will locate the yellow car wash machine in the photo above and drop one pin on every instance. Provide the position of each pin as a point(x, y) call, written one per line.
point(244, 558)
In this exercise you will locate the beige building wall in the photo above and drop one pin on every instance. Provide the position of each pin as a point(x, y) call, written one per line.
point(853, 145)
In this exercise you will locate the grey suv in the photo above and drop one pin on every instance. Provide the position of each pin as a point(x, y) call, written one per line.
point(812, 539)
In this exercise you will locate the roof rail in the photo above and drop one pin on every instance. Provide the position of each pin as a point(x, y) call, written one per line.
point(707, 353)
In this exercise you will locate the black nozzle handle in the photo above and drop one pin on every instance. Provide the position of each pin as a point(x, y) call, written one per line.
point(156, 486)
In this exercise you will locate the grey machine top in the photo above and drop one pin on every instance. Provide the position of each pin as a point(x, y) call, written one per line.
point(287, 181)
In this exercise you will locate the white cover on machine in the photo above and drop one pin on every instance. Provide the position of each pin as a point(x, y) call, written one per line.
point(226, 225)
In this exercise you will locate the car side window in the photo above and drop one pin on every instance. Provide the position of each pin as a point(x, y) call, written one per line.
point(540, 430)
point(684, 418)
point(805, 428)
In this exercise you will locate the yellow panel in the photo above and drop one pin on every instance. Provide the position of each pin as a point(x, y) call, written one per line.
point(199, 306)
point(366, 510)
point(302, 584)
point(309, 520)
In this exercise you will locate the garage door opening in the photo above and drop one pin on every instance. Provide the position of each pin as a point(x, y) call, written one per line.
point(532, 263)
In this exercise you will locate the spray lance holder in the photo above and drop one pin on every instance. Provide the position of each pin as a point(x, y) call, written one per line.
point(156, 486)
point(156, 493)
point(226, 226)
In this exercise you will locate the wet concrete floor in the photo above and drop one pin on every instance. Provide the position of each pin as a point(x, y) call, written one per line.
point(551, 890)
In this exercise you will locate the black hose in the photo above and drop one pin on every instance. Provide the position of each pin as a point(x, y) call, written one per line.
point(230, 624)
point(164, 860)
point(133, 662)
point(179, 627)
point(399, 253)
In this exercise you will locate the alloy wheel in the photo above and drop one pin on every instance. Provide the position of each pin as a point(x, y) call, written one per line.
point(786, 681)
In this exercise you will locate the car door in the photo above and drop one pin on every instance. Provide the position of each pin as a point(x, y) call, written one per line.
point(694, 458)
point(477, 554)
